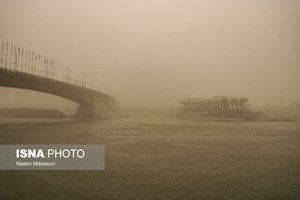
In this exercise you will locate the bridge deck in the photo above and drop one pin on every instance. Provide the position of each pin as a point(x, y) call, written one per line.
point(81, 95)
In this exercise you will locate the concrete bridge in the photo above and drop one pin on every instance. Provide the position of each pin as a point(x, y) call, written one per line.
point(86, 98)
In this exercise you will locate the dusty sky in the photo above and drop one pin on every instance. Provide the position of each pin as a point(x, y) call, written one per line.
point(156, 52)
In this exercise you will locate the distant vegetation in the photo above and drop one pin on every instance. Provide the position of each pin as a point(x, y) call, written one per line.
point(31, 113)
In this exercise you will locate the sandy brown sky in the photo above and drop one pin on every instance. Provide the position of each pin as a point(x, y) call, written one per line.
point(156, 52)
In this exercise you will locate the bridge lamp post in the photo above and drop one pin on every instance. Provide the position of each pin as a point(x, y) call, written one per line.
point(2, 53)
point(68, 75)
point(82, 81)
point(18, 59)
point(32, 59)
point(29, 63)
point(32, 62)
point(6, 55)
point(38, 64)
point(25, 66)
point(54, 69)
point(11, 49)
point(15, 57)
point(34, 68)
point(22, 60)
point(46, 66)
point(42, 66)
point(51, 68)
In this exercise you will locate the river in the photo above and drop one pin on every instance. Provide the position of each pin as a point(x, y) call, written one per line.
point(162, 158)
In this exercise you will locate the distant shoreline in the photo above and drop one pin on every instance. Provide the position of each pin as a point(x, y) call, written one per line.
point(238, 119)
point(32, 113)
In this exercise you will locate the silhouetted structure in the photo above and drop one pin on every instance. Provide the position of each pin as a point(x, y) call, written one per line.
point(85, 97)
point(216, 106)
point(22, 68)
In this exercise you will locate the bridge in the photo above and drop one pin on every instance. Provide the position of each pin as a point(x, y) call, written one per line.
point(86, 98)
point(38, 75)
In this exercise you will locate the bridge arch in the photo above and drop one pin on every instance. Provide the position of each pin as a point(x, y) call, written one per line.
point(86, 98)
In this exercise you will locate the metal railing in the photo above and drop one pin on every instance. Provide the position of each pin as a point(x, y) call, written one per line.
point(17, 59)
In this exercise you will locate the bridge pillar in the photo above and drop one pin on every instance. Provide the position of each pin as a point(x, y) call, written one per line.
point(85, 111)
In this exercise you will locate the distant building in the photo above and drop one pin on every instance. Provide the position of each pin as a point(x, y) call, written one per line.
point(216, 106)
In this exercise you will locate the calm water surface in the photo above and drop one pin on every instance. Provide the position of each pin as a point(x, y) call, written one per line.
point(160, 158)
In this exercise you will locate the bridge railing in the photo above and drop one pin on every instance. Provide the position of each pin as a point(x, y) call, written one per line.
point(20, 60)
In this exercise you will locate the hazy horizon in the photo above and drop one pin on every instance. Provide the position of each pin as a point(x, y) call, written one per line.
point(155, 53)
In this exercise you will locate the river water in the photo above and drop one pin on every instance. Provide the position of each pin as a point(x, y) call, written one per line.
point(162, 158)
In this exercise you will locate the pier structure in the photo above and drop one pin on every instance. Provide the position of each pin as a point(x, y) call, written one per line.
point(218, 106)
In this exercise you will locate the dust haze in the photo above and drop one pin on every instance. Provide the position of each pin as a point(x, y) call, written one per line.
point(155, 53)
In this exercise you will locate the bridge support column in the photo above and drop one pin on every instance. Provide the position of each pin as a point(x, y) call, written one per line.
point(85, 111)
